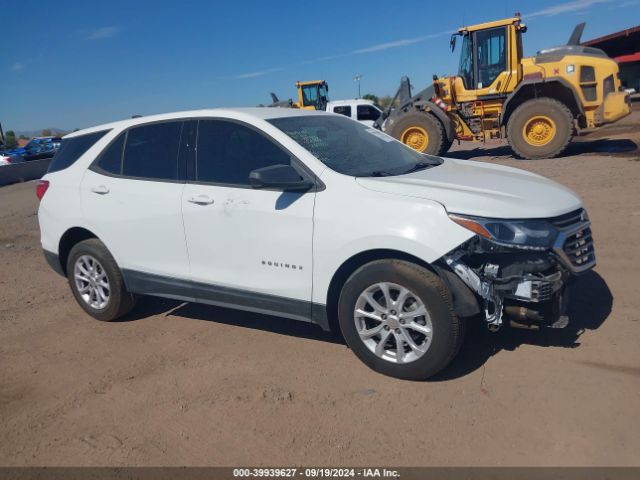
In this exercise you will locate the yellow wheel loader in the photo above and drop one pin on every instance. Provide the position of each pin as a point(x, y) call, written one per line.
point(537, 103)
point(312, 95)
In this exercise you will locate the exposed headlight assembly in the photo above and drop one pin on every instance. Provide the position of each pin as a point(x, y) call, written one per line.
point(525, 234)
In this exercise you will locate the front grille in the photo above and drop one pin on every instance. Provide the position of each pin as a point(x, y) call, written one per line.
point(568, 219)
point(588, 83)
point(579, 248)
point(608, 86)
point(574, 244)
point(542, 291)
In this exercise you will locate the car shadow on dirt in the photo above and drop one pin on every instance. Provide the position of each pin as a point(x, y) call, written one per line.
point(604, 146)
point(590, 304)
point(149, 306)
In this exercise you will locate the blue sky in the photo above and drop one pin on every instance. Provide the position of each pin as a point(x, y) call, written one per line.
point(73, 64)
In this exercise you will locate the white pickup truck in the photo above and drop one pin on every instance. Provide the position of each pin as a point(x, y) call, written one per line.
point(364, 111)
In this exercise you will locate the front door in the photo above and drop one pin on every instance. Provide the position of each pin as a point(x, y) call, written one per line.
point(247, 247)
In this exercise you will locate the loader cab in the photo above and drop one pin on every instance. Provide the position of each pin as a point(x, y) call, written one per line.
point(313, 95)
point(490, 58)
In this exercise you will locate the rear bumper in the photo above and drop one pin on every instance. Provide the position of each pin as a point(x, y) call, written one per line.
point(54, 262)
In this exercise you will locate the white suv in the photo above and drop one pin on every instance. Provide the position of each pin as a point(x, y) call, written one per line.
point(310, 216)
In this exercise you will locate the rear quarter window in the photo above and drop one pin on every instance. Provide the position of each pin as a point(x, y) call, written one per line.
point(72, 149)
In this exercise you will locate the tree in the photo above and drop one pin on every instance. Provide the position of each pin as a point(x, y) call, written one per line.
point(23, 137)
point(385, 101)
point(46, 132)
point(10, 139)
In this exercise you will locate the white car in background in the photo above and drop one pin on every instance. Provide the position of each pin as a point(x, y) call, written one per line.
point(315, 217)
point(364, 111)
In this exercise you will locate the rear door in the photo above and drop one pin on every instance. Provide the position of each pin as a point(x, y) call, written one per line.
point(131, 197)
point(247, 247)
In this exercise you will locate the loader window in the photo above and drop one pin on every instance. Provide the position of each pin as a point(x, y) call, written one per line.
point(310, 95)
point(490, 55)
point(465, 71)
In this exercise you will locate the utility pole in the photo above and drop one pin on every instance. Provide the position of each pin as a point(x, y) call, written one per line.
point(357, 78)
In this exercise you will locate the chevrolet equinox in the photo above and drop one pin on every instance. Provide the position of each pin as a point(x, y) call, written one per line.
point(315, 217)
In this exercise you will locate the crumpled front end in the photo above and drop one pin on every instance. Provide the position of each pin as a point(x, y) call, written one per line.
point(524, 284)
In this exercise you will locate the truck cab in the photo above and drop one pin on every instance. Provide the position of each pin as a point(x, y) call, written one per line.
point(364, 111)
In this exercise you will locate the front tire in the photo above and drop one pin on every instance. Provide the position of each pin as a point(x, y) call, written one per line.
point(397, 318)
point(96, 281)
point(540, 128)
point(423, 132)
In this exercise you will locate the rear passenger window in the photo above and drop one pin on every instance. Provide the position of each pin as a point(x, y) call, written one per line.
point(227, 152)
point(343, 110)
point(111, 159)
point(72, 149)
point(151, 151)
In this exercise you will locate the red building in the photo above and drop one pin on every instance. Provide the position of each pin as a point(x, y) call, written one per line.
point(623, 46)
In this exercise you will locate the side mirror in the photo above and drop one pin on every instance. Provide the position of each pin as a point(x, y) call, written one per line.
point(283, 177)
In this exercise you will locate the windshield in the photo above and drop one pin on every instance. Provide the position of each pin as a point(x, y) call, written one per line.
point(351, 148)
point(310, 94)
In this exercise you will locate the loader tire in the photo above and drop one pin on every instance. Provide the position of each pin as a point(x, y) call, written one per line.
point(422, 132)
point(540, 128)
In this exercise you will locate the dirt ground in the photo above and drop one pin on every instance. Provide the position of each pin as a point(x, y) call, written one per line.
point(181, 384)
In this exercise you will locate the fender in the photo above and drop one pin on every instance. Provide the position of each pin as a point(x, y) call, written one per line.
point(539, 83)
point(447, 123)
point(422, 101)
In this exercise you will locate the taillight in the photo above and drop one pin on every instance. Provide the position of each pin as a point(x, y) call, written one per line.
point(41, 189)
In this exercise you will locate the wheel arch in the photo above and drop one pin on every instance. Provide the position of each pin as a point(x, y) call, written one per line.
point(556, 88)
point(464, 301)
point(71, 237)
point(431, 108)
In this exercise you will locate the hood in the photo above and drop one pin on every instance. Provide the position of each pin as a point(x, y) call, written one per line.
point(481, 189)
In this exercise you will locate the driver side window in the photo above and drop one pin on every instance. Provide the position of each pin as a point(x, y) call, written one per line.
point(227, 152)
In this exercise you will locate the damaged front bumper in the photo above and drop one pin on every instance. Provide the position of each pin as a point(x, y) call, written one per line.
point(529, 288)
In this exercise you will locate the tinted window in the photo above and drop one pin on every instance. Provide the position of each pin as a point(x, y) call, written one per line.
point(151, 151)
point(465, 70)
point(72, 149)
point(343, 110)
point(491, 55)
point(352, 148)
point(111, 160)
point(367, 112)
point(227, 152)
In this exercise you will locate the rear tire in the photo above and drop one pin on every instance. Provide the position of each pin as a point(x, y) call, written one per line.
point(381, 317)
point(423, 132)
point(540, 128)
point(96, 281)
